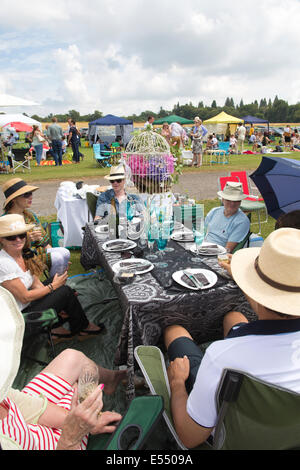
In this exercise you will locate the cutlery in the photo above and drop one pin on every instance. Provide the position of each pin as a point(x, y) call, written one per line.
point(193, 279)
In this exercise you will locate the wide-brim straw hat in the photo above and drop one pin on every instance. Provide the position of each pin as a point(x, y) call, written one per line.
point(116, 173)
point(270, 275)
point(13, 224)
point(14, 188)
point(233, 191)
point(11, 340)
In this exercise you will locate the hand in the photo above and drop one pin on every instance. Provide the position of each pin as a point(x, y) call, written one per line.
point(226, 266)
point(59, 280)
point(106, 423)
point(81, 419)
point(35, 236)
point(179, 369)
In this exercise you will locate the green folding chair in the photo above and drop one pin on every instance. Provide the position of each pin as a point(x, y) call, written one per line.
point(152, 364)
point(254, 415)
point(135, 428)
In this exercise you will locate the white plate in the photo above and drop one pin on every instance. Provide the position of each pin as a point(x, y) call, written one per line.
point(221, 249)
point(101, 229)
point(210, 276)
point(177, 236)
point(148, 266)
point(130, 243)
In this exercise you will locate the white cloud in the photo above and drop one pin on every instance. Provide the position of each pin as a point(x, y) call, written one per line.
point(125, 57)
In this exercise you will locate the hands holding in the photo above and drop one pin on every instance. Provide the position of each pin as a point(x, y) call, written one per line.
point(86, 418)
point(226, 265)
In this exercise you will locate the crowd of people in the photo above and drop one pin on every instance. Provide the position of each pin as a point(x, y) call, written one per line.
point(268, 276)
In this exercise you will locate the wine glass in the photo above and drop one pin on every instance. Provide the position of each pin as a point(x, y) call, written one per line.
point(88, 381)
point(168, 228)
point(152, 235)
point(130, 209)
point(161, 243)
point(199, 236)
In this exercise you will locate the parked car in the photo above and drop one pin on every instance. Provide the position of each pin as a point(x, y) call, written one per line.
point(84, 131)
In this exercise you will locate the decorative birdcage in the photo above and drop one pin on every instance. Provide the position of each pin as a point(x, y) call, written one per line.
point(150, 161)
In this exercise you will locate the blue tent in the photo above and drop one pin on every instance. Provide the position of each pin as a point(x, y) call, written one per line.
point(122, 127)
point(254, 120)
point(110, 120)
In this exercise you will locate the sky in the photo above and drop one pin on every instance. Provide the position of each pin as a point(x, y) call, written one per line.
point(125, 57)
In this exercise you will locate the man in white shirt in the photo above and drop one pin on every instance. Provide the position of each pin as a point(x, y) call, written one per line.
point(241, 134)
point(267, 348)
point(177, 133)
point(149, 123)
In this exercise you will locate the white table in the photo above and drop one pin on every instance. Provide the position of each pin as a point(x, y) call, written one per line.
point(73, 214)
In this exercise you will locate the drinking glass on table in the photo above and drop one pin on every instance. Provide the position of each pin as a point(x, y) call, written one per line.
point(88, 381)
point(161, 242)
point(199, 236)
point(152, 235)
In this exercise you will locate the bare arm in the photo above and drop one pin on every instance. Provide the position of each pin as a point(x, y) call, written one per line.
point(20, 292)
point(190, 433)
point(230, 246)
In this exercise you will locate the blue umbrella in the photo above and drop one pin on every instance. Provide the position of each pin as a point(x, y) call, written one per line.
point(278, 182)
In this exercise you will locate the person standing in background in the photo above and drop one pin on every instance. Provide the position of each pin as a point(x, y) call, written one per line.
point(241, 134)
point(73, 139)
point(55, 134)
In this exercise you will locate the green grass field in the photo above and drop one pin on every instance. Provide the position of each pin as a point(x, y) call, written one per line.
point(89, 168)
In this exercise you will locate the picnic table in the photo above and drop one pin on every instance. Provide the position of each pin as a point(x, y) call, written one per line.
point(154, 301)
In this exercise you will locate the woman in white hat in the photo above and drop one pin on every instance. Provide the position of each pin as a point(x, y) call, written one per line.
point(268, 348)
point(20, 272)
point(46, 414)
point(198, 132)
point(18, 200)
point(228, 225)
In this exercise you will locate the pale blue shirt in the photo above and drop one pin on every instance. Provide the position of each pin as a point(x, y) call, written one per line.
point(226, 229)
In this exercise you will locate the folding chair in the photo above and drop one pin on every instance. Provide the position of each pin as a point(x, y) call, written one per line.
point(135, 428)
point(243, 178)
point(252, 414)
point(102, 157)
point(37, 325)
point(152, 364)
point(255, 415)
point(91, 200)
point(19, 159)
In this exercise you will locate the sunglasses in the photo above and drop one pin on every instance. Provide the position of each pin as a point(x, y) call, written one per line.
point(27, 195)
point(117, 181)
point(12, 238)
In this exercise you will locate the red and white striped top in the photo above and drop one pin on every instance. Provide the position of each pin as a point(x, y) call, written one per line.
point(34, 436)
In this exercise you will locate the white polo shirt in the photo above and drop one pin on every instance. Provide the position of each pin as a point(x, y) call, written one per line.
point(266, 349)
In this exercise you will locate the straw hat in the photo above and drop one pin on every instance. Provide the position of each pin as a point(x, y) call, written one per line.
point(116, 173)
point(14, 188)
point(197, 118)
point(270, 275)
point(232, 191)
point(13, 224)
point(11, 339)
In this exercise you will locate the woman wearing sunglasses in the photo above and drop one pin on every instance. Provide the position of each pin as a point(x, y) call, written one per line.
point(18, 200)
point(114, 200)
point(20, 271)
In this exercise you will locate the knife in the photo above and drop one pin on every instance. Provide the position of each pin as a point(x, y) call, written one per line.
point(193, 279)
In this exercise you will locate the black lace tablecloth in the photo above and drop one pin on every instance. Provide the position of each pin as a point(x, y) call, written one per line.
point(154, 301)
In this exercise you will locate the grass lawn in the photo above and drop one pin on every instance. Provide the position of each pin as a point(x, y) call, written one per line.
point(89, 168)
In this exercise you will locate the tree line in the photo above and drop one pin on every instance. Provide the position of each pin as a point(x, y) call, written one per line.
point(277, 110)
